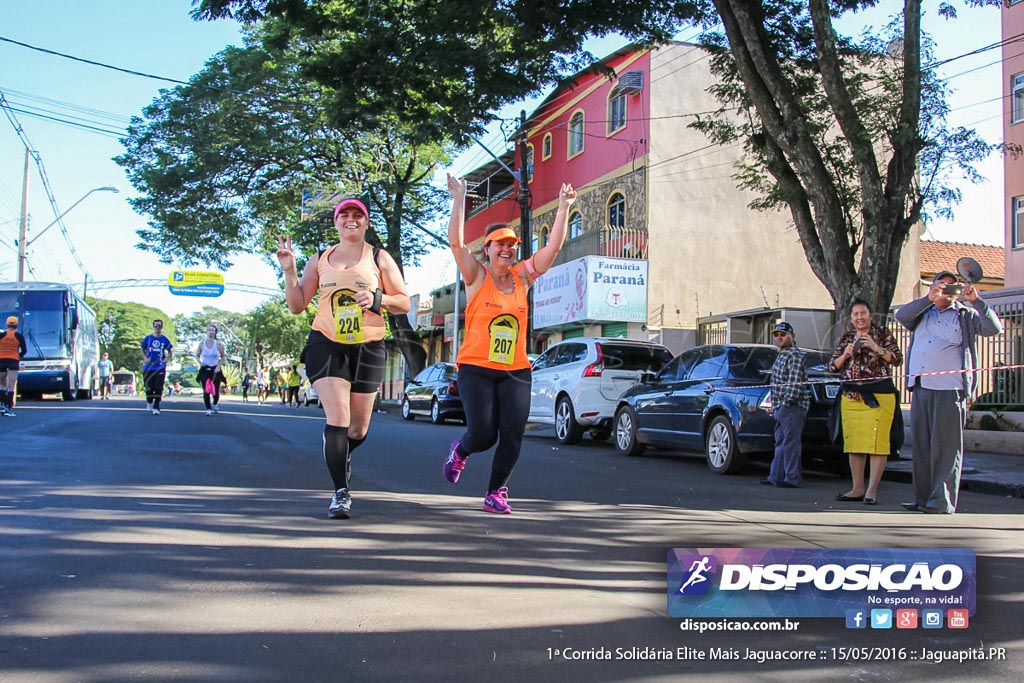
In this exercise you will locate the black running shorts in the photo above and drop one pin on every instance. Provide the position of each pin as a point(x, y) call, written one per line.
point(9, 364)
point(360, 364)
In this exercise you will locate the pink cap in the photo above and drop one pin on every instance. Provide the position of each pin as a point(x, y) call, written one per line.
point(346, 203)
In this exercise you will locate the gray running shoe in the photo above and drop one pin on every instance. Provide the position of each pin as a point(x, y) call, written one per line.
point(341, 505)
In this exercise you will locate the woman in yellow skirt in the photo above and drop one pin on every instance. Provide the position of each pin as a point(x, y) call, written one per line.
point(865, 355)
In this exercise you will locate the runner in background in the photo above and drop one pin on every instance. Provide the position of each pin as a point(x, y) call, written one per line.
point(157, 351)
point(210, 354)
point(12, 350)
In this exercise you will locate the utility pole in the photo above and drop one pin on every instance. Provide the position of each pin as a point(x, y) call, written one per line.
point(23, 232)
point(525, 215)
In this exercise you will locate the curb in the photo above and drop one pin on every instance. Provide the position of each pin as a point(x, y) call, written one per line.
point(903, 475)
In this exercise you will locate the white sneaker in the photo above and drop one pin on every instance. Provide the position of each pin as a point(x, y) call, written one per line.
point(155, 411)
point(215, 409)
point(149, 407)
point(209, 412)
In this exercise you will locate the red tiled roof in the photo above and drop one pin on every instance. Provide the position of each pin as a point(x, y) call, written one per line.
point(936, 256)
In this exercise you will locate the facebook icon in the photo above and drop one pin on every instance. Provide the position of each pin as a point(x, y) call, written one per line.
point(856, 618)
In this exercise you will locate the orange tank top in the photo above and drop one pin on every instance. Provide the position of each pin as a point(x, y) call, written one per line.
point(338, 316)
point(496, 327)
point(9, 346)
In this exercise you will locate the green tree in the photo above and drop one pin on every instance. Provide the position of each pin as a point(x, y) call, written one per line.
point(133, 322)
point(855, 147)
point(220, 165)
point(849, 134)
point(276, 335)
point(233, 330)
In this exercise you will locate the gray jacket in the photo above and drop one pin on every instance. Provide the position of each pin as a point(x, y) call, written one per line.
point(976, 319)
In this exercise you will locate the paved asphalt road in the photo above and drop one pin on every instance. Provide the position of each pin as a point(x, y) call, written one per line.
point(184, 547)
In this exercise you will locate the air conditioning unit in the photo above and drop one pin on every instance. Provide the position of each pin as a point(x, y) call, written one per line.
point(631, 82)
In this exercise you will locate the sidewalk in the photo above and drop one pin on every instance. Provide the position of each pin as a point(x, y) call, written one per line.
point(998, 473)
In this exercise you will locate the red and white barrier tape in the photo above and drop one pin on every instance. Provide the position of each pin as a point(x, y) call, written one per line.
point(833, 380)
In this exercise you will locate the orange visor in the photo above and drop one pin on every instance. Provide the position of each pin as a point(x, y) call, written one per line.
point(503, 234)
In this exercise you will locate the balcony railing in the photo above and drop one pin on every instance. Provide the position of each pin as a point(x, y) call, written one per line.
point(485, 202)
point(611, 241)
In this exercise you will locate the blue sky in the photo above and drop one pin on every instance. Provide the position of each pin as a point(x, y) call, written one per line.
point(158, 37)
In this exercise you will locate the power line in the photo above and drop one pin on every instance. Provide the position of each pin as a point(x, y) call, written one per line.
point(92, 62)
point(34, 154)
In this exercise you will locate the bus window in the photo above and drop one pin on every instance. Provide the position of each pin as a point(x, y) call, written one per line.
point(43, 325)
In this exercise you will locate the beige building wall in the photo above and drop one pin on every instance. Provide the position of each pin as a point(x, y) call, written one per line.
point(709, 253)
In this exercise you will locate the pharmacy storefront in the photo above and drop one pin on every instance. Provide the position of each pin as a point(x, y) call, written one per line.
point(592, 296)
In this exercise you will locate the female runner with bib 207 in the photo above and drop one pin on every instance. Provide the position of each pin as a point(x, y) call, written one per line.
point(494, 370)
point(344, 353)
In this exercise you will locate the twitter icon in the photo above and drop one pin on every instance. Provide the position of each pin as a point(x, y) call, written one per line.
point(881, 618)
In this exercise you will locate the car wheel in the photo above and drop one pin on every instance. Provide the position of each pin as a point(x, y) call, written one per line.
point(625, 433)
point(435, 412)
point(407, 410)
point(721, 449)
point(600, 434)
point(567, 430)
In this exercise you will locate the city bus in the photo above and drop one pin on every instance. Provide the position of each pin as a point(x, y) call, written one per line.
point(61, 335)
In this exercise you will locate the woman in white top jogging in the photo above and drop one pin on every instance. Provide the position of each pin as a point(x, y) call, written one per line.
point(210, 355)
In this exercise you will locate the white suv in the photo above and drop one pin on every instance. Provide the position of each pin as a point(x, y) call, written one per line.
point(577, 382)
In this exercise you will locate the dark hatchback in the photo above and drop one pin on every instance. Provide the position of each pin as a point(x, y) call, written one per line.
point(434, 394)
point(712, 399)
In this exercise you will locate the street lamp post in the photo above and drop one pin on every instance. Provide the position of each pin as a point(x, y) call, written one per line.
point(24, 243)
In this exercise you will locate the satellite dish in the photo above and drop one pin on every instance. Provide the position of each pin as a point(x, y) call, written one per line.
point(969, 269)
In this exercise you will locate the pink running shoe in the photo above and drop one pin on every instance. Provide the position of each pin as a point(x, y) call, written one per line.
point(497, 501)
point(454, 464)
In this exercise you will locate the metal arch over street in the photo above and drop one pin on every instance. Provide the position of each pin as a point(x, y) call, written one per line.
point(156, 282)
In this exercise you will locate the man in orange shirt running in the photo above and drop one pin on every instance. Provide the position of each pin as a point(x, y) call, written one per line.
point(12, 349)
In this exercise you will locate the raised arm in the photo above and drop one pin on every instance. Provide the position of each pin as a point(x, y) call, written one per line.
point(298, 292)
point(468, 265)
point(546, 255)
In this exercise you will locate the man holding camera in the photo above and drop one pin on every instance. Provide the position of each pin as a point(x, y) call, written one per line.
point(945, 339)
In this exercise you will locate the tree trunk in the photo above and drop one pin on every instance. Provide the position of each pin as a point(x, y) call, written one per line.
point(410, 344)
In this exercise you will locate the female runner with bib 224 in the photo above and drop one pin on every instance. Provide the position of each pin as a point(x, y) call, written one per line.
point(494, 370)
point(344, 353)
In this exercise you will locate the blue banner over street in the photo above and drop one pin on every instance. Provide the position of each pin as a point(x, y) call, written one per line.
point(801, 582)
point(195, 283)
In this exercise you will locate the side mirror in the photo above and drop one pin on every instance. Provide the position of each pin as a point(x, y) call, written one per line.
point(74, 318)
point(648, 377)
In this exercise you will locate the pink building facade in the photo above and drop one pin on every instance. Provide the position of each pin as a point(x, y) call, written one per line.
point(1013, 133)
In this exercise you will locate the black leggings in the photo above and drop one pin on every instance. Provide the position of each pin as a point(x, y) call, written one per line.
point(207, 372)
point(497, 405)
point(154, 383)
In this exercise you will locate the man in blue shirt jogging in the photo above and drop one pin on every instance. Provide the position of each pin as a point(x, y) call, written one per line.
point(157, 351)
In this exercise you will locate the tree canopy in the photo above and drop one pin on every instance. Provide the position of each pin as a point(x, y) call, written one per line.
point(221, 165)
point(441, 67)
point(130, 323)
point(849, 134)
point(852, 142)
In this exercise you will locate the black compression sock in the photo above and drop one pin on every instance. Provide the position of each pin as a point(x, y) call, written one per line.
point(354, 443)
point(337, 455)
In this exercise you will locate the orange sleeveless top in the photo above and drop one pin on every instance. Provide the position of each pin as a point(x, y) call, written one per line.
point(338, 316)
point(9, 346)
point(496, 327)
